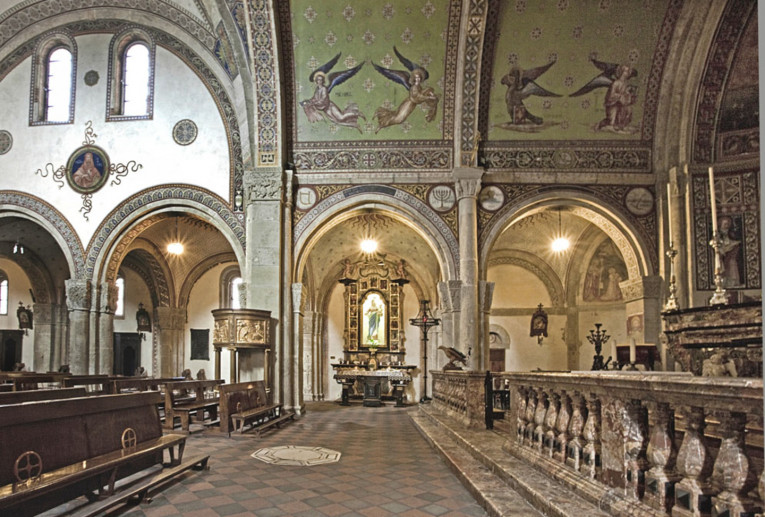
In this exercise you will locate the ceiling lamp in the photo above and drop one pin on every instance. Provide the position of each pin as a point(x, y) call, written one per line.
point(369, 245)
point(561, 243)
point(175, 247)
point(18, 248)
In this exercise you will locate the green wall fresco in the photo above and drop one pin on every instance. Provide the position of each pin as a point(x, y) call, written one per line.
point(365, 33)
point(534, 33)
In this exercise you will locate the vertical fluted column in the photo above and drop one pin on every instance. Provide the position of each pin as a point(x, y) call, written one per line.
point(591, 452)
point(691, 493)
point(731, 473)
point(78, 301)
point(575, 448)
point(467, 185)
point(659, 480)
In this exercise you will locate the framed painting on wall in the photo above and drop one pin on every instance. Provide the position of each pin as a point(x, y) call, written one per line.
point(87, 169)
point(374, 330)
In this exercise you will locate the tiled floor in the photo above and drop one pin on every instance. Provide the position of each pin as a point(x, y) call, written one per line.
point(386, 468)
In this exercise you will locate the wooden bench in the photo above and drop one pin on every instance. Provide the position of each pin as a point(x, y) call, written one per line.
point(133, 384)
point(178, 403)
point(17, 397)
point(30, 381)
point(94, 384)
point(56, 451)
point(247, 403)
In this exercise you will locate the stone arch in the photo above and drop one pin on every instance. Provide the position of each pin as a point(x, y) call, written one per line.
point(123, 225)
point(536, 266)
point(29, 207)
point(502, 336)
point(199, 270)
point(626, 236)
point(145, 259)
point(43, 289)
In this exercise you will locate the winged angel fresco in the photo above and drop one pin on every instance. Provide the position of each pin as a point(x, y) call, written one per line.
point(412, 80)
point(619, 98)
point(520, 85)
point(320, 106)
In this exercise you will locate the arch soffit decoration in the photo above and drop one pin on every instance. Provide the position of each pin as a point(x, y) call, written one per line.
point(147, 259)
point(537, 267)
point(399, 205)
point(35, 270)
point(584, 205)
point(197, 42)
point(19, 204)
point(200, 269)
point(122, 226)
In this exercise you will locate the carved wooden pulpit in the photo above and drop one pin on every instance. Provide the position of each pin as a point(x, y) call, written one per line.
point(242, 329)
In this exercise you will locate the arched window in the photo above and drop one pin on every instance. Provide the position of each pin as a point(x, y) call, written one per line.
point(131, 76)
point(119, 311)
point(53, 80)
point(3, 293)
point(230, 280)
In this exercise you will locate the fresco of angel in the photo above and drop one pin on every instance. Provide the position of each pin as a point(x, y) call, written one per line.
point(620, 95)
point(320, 106)
point(520, 85)
point(412, 80)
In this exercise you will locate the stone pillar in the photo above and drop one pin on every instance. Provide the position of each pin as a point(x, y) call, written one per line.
point(107, 305)
point(320, 375)
point(263, 265)
point(486, 295)
point(44, 322)
point(467, 183)
point(449, 292)
point(78, 299)
point(643, 297)
point(170, 324)
point(296, 355)
point(678, 184)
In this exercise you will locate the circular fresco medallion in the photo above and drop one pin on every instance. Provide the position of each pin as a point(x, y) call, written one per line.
point(491, 198)
point(441, 198)
point(6, 141)
point(91, 78)
point(306, 198)
point(185, 132)
point(639, 201)
point(87, 169)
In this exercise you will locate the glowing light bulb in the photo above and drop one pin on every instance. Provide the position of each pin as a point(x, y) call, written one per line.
point(176, 248)
point(369, 246)
point(560, 244)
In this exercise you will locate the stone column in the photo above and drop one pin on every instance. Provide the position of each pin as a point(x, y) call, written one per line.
point(643, 296)
point(467, 183)
point(170, 323)
point(296, 356)
point(105, 341)
point(449, 292)
point(44, 322)
point(486, 295)
point(310, 386)
point(678, 184)
point(78, 299)
point(263, 265)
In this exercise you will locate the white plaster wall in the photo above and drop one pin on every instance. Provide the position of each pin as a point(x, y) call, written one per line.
point(413, 344)
point(18, 291)
point(136, 292)
point(203, 299)
point(516, 287)
point(179, 94)
point(334, 344)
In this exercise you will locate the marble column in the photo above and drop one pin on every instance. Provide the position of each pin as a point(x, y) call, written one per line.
point(108, 293)
point(486, 295)
point(45, 330)
point(678, 183)
point(296, 354)
point(78, 300)
point(170, 323)
point(467, 183)
point(449, 293)
point(263, 274)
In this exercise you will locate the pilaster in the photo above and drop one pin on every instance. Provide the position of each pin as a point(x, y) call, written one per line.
point(170, 323)
point(105, 342)
point(45, 330)
point(78, 301)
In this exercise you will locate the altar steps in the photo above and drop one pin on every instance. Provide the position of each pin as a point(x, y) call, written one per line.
point(501, 483)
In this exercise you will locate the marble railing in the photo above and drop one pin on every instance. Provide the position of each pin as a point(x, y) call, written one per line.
point(460, 395)
point(644, 444)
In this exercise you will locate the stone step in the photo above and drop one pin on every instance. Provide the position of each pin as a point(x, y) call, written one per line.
point(503, 484)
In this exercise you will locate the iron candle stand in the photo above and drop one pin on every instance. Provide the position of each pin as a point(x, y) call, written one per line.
point(425, 321)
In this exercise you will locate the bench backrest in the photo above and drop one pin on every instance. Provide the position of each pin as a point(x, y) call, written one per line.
point(197, 389)
point(17, 397)
point(96, 384)
point(240, 396)
point(64, 432)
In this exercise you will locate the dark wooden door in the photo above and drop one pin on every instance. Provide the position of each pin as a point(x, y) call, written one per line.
point(10, 348)
point(127, 352)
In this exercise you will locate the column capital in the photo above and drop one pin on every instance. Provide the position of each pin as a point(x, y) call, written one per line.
point(263, 184)
point(78, 294)
point(467, 182)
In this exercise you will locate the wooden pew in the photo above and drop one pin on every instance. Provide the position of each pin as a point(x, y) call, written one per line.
point(178, 403)
point(30, 381)
point(55, 451)
point(17, 397)
point(94, 384)
point(133, 384)
point(247, 403)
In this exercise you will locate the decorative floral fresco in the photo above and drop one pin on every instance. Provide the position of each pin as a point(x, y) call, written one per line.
point(566, 69)
point(371, 71)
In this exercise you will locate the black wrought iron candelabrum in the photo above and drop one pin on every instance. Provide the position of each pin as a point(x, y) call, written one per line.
point(598, 338)
point(425, 321)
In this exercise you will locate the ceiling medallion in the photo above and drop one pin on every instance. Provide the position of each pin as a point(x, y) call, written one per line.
point(6, 141)
point(639, 201)
point(185, 132)
point(91, 78)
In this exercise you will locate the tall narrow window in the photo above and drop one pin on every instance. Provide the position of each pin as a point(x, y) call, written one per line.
point(119, 311)
point(58, 88)
point(136, 80)
point(230, 280)
point(234, 291)
point(3, 293)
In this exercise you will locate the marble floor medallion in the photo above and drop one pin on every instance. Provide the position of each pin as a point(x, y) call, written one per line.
point(296, 455)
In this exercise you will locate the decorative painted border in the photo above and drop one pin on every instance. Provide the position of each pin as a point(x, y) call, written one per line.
point(185, 131)
point(266, 82)
point(623, 157)
point(476, 24)
point(165, 193)
point(434, 155)
point(55, 219)
point(719, 61)
point(6, 141)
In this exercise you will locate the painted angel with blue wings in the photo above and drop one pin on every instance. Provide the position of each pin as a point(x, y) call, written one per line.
point(418, 94)
point(320, 106)
point(521, 85)
point(620, 95)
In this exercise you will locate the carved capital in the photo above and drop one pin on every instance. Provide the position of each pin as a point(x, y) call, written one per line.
point(485, 295)
point(78, 294)
point(467, 182)
point(263, 185)
point(108, 294)
point(297, 297)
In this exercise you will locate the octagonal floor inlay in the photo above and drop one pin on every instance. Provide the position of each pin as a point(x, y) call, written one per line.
point(296, 455)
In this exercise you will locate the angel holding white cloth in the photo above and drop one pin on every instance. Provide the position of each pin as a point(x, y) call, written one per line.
point(320, 106)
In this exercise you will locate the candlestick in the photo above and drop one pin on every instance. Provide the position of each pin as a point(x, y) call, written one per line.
point(633, 351)
point(669, 213)
point(713, 205)
point(671, 304)
point(614, 355)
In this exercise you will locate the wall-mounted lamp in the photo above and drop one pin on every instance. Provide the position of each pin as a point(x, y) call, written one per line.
point(539, 324)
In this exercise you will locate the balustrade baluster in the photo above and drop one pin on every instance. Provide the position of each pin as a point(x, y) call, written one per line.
point(660, 480)
point(691, 492)
point(521, 395)
point(550, 418)
point(634, 449)
point(731, 473)
point(531, 408)
point(539, 421)
point(575, 428)
point(590, 466)
point(561, 425)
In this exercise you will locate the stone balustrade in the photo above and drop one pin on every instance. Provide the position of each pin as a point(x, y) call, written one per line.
point(637, 443)
point(460, 395)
